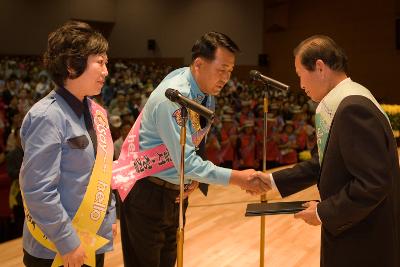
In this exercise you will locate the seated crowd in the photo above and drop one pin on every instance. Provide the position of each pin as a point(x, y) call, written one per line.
point(235, 139)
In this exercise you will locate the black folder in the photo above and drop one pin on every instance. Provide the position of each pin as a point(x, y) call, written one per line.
point(258, 209)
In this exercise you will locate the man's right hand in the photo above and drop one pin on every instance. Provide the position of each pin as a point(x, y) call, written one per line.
point(75, 258)
point(247, 181)
point(265, 177)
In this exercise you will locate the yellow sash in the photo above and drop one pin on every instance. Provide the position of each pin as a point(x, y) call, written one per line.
point(92, 210)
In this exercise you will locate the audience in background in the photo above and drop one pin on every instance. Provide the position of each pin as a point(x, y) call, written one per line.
point(235, 140)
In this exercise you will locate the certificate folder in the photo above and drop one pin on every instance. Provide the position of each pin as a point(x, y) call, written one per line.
point(258, 209)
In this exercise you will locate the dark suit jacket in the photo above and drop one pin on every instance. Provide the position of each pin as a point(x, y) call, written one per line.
point(359, 184)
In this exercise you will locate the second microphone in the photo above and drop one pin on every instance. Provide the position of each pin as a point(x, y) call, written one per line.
point(175, 96)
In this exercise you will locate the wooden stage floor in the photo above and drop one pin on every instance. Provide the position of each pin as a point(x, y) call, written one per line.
point(217, 234)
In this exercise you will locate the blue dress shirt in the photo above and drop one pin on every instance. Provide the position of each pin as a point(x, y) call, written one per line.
point(55, 172)
point(159, 126)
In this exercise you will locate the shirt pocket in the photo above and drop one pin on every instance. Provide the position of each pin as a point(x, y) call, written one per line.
point(77, 155)
point(78, 142)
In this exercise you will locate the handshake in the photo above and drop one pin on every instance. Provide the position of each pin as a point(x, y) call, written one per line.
point(254, 182)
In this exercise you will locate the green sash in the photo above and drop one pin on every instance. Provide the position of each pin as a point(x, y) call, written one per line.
point(327, 108)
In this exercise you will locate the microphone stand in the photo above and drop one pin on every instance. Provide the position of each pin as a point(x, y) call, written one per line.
point(268, 83)
point(263, 198)
point(180, 231)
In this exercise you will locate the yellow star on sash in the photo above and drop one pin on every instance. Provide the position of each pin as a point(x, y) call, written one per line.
point(91, 242)
point(96, 242)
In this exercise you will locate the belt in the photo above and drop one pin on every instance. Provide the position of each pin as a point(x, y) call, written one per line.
point(163, 183)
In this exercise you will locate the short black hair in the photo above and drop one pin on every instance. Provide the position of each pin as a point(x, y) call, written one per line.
point(205, 47)
point(324, 48)
point(69, 47)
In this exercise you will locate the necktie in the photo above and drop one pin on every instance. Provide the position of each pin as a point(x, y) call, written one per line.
point(89, 126)
point(202, 147)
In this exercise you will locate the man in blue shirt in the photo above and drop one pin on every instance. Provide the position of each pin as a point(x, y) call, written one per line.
point(150, 213)
point(59, 142)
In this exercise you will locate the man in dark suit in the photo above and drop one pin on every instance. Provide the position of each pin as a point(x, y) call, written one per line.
point(356, 168)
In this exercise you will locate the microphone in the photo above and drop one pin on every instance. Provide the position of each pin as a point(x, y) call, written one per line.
point(176, 96)
point(256, 75)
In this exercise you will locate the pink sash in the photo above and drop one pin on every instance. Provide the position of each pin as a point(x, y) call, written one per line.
point(133, 165)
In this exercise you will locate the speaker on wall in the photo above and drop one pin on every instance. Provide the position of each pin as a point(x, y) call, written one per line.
point(151, 44)
point(263, 60)
point(398, 33)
